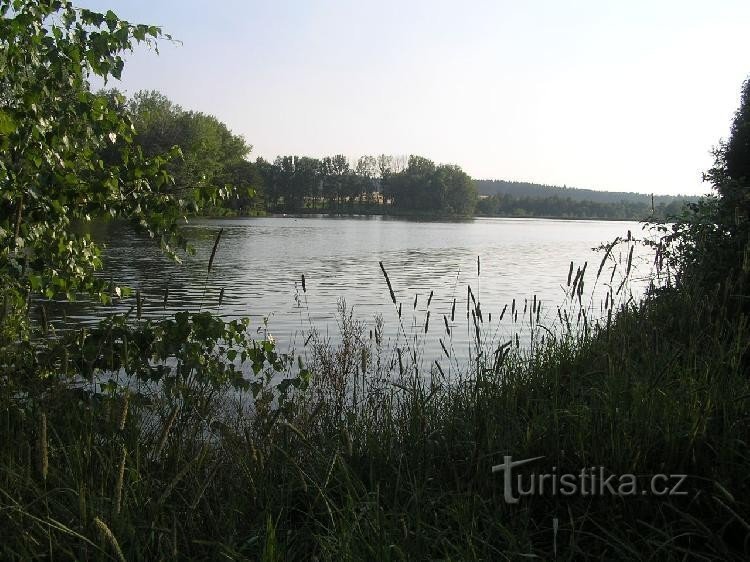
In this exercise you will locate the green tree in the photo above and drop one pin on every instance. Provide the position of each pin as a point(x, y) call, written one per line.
point(457, 190)
point(730, 174)
point(711, 240)
point(53, 131)
point(423, 186)
point(247, 189)
point(367, 171)
point(206, 144)
point(269, 175)
point(335, 171)
point(412, 188)
point(283, 177)
point(307, 174)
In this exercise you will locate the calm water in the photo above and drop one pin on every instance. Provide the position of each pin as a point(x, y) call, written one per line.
point(260, 261)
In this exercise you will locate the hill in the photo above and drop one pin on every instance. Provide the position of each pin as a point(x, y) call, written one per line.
point(540, 191)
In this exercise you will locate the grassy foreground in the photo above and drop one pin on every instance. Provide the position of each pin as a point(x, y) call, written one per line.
point(398, 467)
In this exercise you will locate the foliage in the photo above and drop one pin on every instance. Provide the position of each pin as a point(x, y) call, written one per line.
point(70, 156)
point(735, 157)
point(243, 181)
point(423, 185)
point(709, 243)
point(212, 164)
point(52, 131)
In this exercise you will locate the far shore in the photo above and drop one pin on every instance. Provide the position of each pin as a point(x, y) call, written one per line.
point(427, 216)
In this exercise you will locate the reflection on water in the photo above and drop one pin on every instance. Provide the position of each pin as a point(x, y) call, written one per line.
point(260, 261)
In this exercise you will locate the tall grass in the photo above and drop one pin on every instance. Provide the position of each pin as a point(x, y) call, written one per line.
point(384, 458)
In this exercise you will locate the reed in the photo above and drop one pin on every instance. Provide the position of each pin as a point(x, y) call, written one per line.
point(109, 537)
point(120, 481)
point(123, 418)
point(164, 435)
point(43, 448)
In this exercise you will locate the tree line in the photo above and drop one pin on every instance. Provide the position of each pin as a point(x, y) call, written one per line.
point(541, 191)
point(555, 206)
point(212, 171)
point(213, 174)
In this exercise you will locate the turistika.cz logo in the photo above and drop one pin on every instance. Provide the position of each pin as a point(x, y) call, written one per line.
point(590, 481)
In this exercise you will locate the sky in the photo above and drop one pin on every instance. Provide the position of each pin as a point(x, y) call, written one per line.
point(616, 96)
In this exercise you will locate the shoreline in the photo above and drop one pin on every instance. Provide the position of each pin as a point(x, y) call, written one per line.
point(418, 216)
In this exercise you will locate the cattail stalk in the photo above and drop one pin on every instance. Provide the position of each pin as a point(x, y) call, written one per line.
point(124, 411)
point(120, 481)
point(165, 432)
point(348, 445)
point(110, 538)
point(43, 447)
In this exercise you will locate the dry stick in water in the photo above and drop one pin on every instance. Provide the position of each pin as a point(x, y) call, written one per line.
point(213, 251)
point(211, 262)
point(388, 281)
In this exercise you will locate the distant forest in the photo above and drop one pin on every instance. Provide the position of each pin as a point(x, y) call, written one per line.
point(523, 199)
point(536, 190)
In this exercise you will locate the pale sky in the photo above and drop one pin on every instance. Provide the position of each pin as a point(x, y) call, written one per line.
point(618, 96)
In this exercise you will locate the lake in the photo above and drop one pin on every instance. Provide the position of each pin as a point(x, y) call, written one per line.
point(260, 262)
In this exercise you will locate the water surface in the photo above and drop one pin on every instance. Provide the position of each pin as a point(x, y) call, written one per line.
point(260, 262)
